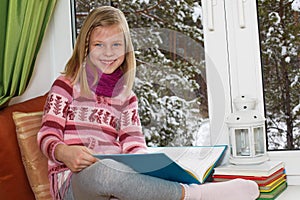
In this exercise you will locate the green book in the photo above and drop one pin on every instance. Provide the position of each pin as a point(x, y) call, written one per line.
point(274, 193)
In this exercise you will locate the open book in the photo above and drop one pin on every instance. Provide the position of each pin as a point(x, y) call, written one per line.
point(181, 164)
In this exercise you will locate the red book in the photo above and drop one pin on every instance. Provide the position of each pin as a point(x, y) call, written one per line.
point(260, 180)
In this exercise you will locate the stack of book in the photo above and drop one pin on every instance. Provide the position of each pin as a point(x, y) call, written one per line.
point(270, 176)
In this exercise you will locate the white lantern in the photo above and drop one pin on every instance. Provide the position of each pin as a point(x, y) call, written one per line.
point(247, 136)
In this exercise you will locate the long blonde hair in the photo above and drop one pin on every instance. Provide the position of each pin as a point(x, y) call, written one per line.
point(75, 67)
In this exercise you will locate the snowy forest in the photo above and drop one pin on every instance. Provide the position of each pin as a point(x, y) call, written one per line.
point(280, 48)
point(171, 83)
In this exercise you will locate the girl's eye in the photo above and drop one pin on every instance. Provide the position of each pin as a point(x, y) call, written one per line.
point(117, 44)
point(99, 45)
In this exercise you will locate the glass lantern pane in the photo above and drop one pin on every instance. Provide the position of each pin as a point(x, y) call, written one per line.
point(230, 145)
point(259, 143)
point(242, 142)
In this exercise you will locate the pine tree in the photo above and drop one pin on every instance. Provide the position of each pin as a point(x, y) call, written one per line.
point(170, 83)
point(280, 43)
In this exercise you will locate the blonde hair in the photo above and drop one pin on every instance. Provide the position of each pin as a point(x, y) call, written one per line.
point(75, 67)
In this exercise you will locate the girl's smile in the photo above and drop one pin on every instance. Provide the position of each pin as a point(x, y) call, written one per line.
point(107, 62)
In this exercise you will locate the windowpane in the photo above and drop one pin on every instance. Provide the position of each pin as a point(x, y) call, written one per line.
point(171, 82)
point(279, 23)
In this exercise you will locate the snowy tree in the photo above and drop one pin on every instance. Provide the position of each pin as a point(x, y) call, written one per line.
point(170, 83)
point(280, 43)
point(168, 40)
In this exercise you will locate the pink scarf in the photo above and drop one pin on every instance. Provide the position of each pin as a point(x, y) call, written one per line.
point(108, 85)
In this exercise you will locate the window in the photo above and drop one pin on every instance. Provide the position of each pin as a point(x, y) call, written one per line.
point(243, 41)
point(247, 63)
point(171, 77)
point(280, 48)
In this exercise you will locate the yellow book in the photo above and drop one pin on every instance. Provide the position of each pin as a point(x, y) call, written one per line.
point(273, 185)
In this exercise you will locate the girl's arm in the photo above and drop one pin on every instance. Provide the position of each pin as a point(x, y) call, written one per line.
point(51, 134)
point(131, 137)
point(54, 118)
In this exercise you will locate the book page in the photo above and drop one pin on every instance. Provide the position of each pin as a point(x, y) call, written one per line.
point(196, 160)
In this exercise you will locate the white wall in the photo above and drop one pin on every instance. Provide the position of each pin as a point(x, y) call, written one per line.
point(55, 50)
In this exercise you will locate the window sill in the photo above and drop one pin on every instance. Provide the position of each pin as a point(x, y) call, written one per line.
point(291, 192)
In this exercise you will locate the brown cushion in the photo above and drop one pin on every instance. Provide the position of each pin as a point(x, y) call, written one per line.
point(27, 127)
point(13, 179)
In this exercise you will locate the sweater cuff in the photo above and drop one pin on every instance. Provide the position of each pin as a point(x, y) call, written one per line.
point(52, 152)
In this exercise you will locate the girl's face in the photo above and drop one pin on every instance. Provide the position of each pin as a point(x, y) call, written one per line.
point(107, 48)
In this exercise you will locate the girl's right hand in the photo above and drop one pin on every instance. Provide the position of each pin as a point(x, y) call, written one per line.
point(76, 158)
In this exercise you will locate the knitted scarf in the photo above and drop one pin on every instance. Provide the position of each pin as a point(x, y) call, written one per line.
point(108, 85)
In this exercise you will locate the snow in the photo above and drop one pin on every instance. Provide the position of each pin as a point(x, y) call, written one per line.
point(295, 81)
point(202, 136)
point(296, 109)
point(283, 50)
point(197, 13)
point(296, 5)
point(141, 1)
point(276, 15)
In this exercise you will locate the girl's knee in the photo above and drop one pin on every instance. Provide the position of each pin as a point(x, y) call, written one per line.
point(116, 166)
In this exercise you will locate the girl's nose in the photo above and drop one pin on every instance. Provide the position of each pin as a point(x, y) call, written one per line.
point(108, 51)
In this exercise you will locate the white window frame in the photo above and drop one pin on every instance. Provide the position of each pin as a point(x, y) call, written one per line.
point(233, 49)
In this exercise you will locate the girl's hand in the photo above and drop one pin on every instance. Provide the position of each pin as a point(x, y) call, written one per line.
point(76, 158)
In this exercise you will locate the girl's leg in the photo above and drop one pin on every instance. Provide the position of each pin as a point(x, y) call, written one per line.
point(108, 178)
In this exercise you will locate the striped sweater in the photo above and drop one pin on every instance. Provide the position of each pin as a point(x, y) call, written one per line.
point(103, 124)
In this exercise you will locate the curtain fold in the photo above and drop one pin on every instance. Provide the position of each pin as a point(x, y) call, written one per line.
point(22, 27)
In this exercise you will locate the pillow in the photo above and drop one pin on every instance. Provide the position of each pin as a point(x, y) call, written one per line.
point(14, 183)
point(35, 163)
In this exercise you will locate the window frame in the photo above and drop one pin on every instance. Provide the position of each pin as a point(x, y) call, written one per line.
point(243, 62)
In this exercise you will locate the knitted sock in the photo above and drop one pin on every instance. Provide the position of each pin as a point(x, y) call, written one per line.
point(236, 189)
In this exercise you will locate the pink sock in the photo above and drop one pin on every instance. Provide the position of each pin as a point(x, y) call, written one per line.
point(236, 189)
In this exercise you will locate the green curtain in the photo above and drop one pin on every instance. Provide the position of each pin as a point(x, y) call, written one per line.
point(22, 27)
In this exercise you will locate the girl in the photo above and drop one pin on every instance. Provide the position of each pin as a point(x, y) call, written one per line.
point(91, 109)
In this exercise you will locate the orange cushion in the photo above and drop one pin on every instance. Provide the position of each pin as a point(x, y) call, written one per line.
point(13, 179)
point(35, 163)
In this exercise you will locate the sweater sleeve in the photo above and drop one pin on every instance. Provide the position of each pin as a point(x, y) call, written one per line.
point(131, 137)
point(54, 118)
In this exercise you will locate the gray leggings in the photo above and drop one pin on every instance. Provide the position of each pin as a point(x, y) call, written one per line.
point(108, 178)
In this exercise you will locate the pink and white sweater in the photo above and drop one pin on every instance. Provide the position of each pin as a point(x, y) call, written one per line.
point(103, 124)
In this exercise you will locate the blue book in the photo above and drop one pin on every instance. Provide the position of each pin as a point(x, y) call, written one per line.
point(181, 164)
